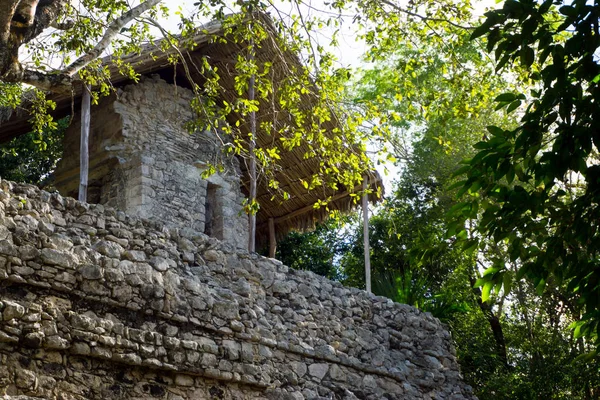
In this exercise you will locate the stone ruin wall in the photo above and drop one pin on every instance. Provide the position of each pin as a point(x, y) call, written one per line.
point(144, 161)
point(95, 304)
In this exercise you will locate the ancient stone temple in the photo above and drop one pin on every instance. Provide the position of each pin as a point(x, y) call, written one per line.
point(146, 291)
point(145, 162)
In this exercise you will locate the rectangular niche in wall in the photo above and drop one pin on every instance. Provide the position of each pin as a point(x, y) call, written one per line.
point(213, 225)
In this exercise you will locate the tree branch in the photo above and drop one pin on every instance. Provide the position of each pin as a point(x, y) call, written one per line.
point(7, 10)
point(24, 21)
point(111, 32)
point(63, 26)
point(57, 83)
point(45, 14)
point(25, 14)
point(424, 18)
point(494, 322)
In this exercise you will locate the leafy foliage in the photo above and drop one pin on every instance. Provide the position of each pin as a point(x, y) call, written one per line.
point(314, 251)
point(32, 157)
point(539, 182)
point(513, 339)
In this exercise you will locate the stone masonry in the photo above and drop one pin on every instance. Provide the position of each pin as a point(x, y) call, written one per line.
point(96, 304)
point(144, 161)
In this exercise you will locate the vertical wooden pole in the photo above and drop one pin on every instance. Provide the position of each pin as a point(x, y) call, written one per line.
point(367, 248)
point(272, 240)
point(84, 143)
point(252, 166)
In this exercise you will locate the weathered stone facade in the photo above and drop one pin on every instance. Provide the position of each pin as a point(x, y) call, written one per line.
point(95, 304)
point(144, 161)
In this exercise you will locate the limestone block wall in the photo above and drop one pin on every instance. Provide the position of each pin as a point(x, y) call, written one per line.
point(144, 161)
point(96, 304)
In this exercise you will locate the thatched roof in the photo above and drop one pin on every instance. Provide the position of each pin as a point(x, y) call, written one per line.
point(295, 213)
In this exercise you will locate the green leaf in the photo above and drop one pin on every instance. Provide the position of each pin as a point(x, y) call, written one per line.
point(569, 11)
point(506, 97)
point(577, 333)
point(480, 31)
point(521, 272)
point(586, 357)
point(486, 291)
point(503, 61)
point(540, 286)
point(479, 282)
point(494, 130)
point(470, 246)
point(510, 175)
point(460, 171)
point(529, 26)
point(513, 106)
point(458, 184)
point(527, 56)
point(491, 271)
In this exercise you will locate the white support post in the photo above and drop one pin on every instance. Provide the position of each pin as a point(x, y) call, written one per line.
point(84, 143)
point(367, 248)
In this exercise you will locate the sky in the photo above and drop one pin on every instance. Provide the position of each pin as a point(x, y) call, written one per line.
point(350, 50)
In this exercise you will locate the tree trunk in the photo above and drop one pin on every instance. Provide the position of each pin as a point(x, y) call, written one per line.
point(23, 20)
point(494, 322)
